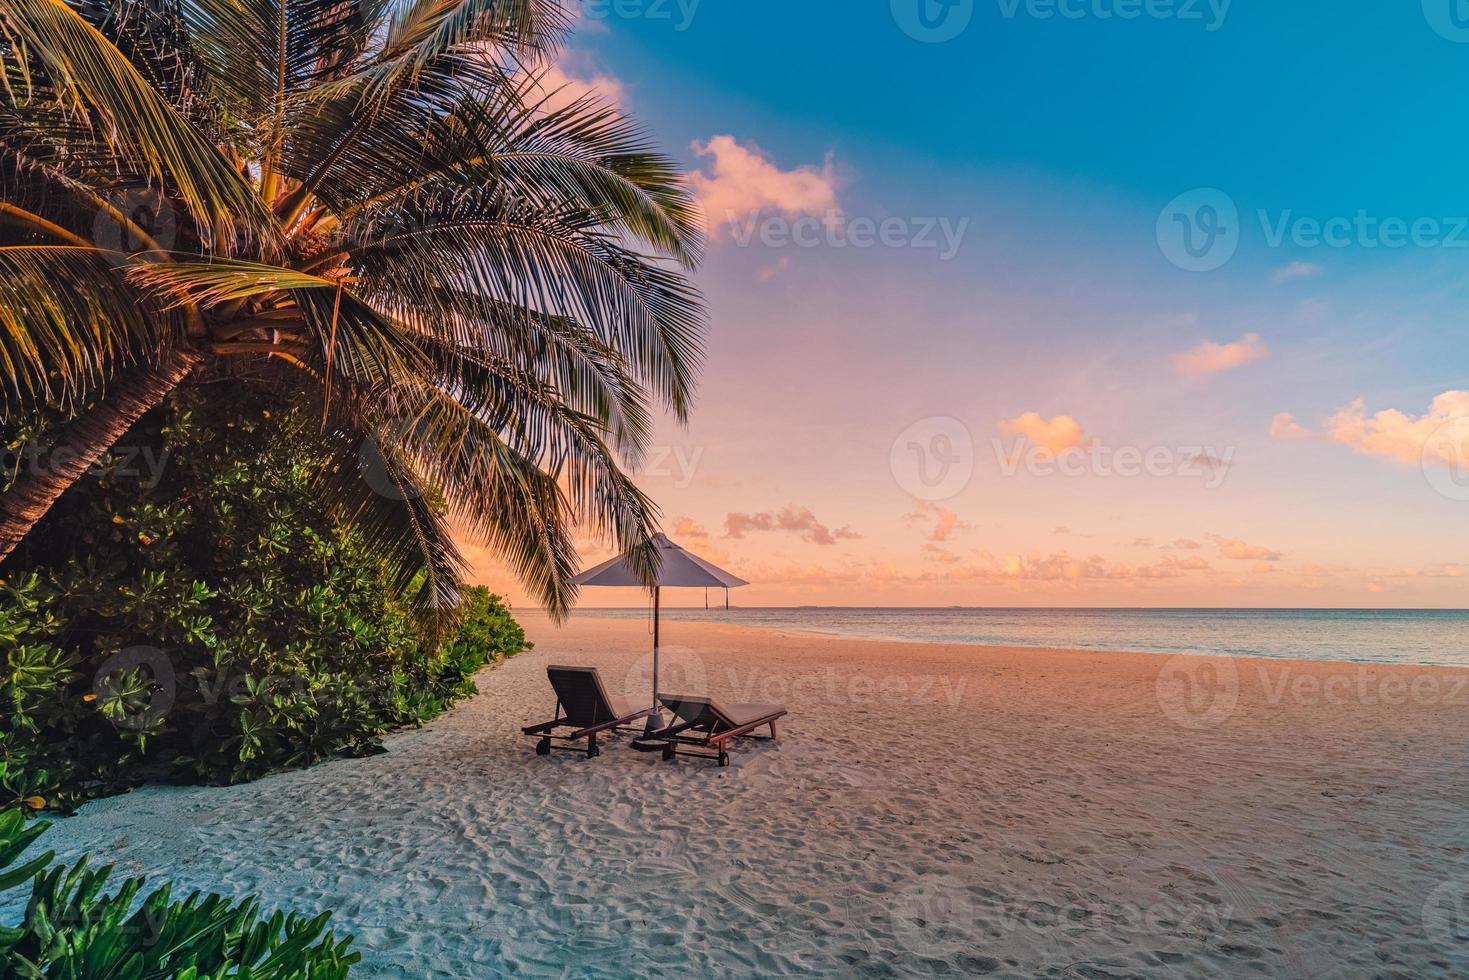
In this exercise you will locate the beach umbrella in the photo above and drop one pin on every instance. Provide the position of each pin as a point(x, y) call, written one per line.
point(677, 568)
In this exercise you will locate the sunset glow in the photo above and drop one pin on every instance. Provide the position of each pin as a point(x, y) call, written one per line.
point(938, 258)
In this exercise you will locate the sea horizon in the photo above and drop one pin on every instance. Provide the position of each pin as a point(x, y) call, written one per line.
point(1427, 637)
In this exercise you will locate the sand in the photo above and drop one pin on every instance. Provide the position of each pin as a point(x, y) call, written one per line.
point(929, 810)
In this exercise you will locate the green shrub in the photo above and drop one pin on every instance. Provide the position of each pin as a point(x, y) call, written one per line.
point(71, 928)
point(190, 611)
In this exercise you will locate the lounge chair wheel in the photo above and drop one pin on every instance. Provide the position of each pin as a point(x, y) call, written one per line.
point(724, 760)
point(543, 747)
point(593, 752)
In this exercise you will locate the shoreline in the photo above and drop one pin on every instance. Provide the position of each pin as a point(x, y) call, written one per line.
point(928, 810)
point(796, 631)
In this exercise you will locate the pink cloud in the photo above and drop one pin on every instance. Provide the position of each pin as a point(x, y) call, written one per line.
point(1187, 544)
point(1285, 426)
point(559, 85)
point(1210, 358)
point(1406, 438)
point(798, 520)
point(1056, 434)
point(775, 270)
point(1236, 549)
point(742, 179)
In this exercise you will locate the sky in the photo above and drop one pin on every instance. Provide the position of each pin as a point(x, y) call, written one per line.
point(1063, 302)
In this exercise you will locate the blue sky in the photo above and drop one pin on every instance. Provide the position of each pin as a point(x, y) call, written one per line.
point(1060, 147)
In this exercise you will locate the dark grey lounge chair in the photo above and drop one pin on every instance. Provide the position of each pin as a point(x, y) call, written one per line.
point(584, 706)
point(702, 723)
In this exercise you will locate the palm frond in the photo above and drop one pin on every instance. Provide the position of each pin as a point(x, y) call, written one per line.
point(208, 283)
point(67, 320)
point(90, 75)
point(652, 316)
point(370, 486)
point(260, 52)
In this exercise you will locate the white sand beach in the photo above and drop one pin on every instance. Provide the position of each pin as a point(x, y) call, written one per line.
point(929, 810)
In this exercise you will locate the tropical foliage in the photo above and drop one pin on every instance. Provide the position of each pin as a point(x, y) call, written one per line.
point(190, 611)
point(71, 928)
point(373, 206)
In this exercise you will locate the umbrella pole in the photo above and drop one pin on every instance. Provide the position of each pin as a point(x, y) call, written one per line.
point(655, 720)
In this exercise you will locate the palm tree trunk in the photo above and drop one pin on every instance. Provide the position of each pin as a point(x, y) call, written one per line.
point(129, 395)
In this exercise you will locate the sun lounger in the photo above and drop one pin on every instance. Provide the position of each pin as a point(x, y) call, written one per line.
point(702, 723)
point(584, 706)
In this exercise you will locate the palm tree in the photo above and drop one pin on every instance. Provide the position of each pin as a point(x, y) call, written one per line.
point(372, 204)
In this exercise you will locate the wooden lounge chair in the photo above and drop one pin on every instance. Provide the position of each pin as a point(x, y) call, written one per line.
point(702, 723)
point(584, 706)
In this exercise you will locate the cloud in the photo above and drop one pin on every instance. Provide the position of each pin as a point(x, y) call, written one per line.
point(1175, 567)
point(945, 521)
point(1398, 436)
point(1186, 544)
point(1060, 566)
point(799, 520)
point(687, 527)
point(1211, 358)
point(773, 271)
point(560, 84)
point(1296, 270)
point(939, 553)
point(1237, 550)
point(1285, 426)
point(1056, 434)
point(742, 179)
point(1312, 310)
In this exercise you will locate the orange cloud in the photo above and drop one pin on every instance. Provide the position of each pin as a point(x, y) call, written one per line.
point(742, 179)
point(1399, 436)
point(1062, 567)
point(1210, 358)
point(1285, 426)
point(945, 521)
point(1237, 550)
point(939, 553)
point(687, 527)
point(1056, 434)
point(798, 520)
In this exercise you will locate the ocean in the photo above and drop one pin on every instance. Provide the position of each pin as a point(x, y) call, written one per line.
point(1367, 635)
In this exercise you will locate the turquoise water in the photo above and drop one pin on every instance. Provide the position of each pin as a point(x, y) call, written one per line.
point(1373, 635)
